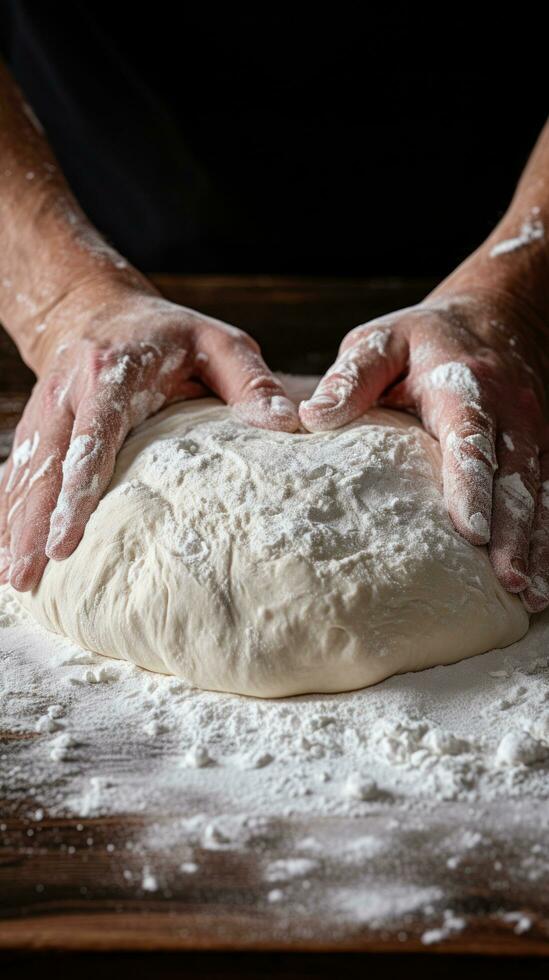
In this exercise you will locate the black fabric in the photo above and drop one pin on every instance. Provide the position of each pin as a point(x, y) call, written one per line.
point(206, 140)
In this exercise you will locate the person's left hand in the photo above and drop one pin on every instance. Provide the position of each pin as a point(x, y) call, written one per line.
point(466, 365)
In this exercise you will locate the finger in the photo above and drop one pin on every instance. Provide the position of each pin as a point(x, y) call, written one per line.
point(5, 562)
point(515, 491)
point(97, 435)
point(536, 594)
point(370, 359)
point(32, 502)
point(16, 471)
point(5, 553)
point(454, 409)
point(16, 475)
point(231, 365)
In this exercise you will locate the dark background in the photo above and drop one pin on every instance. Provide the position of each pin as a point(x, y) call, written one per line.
point(204, 140)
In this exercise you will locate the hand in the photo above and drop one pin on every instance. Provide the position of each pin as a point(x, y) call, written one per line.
point(110, 362)
point(465, 366)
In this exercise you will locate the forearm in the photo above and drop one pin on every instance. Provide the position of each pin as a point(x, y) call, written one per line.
point(48, 248)
point(515, 256)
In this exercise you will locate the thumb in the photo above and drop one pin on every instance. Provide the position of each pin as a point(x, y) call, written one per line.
point(372, 358)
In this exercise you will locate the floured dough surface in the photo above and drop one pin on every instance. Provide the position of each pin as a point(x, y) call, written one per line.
point(271, 564)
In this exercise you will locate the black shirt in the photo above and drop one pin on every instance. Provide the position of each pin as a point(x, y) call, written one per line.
point(215, 140)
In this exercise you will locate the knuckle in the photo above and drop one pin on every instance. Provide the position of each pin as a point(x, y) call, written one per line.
point(53, 388)
point(224, 335)
point(248, 341)
point(515, 497)
point(354, 336)
point(472, 445)
point(113, 366)
point(259, 385)
point(345, 374)
point(485, 362)
point(382, 326)
point(97, 359)
point(525, 452)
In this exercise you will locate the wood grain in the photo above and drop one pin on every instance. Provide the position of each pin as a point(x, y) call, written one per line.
point(65, 887)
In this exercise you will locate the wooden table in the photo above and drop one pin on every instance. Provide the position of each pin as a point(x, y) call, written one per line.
point(299, 323)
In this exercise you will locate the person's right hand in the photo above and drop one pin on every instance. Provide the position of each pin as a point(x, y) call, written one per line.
point(109, 363)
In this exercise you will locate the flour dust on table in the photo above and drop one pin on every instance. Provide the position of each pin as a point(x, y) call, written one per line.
point(271, 564)
point(358, 809)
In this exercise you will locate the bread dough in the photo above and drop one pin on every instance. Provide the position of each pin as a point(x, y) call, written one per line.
point(270, 564)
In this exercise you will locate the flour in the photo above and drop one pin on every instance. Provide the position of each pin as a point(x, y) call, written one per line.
point(42, 470)
point(378, 340)
point(451, 924)
point(84, 453)
point(290, 868)
point(520, 749)
point(516, 498)
point(423, 770)
point(213, 772)
point(531, 230)
point(117, 374)
point(457, 378)
point(21, 457)
point(358, 787)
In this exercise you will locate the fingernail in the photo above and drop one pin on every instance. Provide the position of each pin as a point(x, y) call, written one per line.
point(536, 596)
point(280, 405)
point(479, 525)
point(5, 560)
point(16, 569)
point(271, 412)
point(51, 546)
point(321, 401)
point(519, 568)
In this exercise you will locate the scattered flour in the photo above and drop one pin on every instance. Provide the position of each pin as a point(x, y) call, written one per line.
point(451, 924)
point(282, 870)
point(348, 801)
point(435, 768)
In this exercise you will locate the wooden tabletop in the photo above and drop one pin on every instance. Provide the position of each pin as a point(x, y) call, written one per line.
point(83, 902)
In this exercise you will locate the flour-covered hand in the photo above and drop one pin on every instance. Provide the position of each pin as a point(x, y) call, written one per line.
point(113, 360)
point(465, 364)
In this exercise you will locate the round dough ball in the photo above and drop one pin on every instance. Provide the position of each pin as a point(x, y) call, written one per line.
point(270, 564)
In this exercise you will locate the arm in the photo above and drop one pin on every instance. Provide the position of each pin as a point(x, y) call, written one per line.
point(107, 350)
point(472, 362)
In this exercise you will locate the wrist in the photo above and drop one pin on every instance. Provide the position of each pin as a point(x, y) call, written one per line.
point(52, 258)
point(84, 309)
point(512, 265)
point(505, 286)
